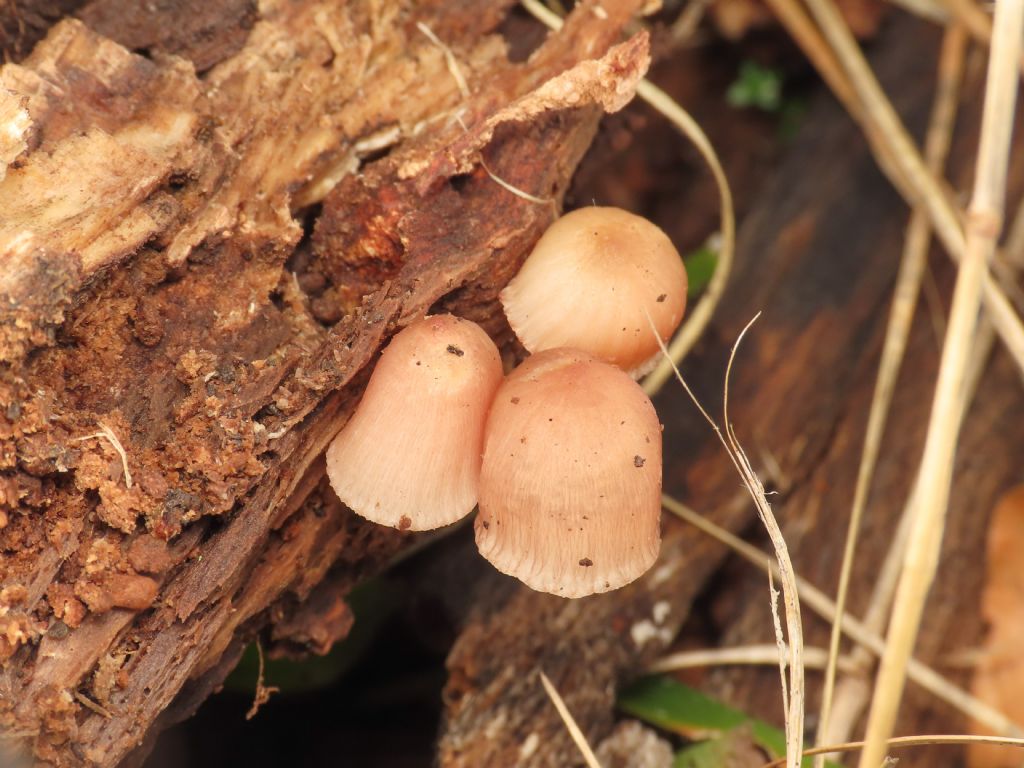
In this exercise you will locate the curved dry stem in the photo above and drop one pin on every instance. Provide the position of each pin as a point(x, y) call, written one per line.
point(793, 697)
point(699, 318)
point(910, 741)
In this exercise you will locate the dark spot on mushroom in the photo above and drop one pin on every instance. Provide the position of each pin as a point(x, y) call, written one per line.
point(453, 350)
point(638, 461)
point(662, 298)
point(586, 562)
point(418, 362)
point(486, 525)
point(515, 401)
point(404, 523)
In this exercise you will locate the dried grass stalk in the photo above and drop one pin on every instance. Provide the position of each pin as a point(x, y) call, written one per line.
point(570, 723)
point(754, 655)
point(935, 474)
point(912, 741)
point(794, 696)
point(901, 315)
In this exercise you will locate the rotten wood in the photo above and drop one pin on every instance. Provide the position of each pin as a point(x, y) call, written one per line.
point(799, 397)
point(160, 298)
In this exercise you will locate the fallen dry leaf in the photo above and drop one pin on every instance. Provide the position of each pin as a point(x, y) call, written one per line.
point(999, 676)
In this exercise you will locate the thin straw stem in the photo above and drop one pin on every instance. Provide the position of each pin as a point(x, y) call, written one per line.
point(935, 474)
point(908, 283)
point(755, 655)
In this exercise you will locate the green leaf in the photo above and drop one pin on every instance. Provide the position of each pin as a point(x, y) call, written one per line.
point(667, 703)
point(704, 754)
point(700, 267)
point(756, 86)
point(733, 748)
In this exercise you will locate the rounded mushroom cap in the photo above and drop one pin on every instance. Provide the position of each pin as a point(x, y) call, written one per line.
point(590, 283)
point(410, 455)
point(570, 489)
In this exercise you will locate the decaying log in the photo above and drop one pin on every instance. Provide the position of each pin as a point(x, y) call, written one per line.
point(176, 348)
point(818, 254)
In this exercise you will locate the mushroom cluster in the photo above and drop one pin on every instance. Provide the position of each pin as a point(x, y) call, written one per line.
point(562, 456)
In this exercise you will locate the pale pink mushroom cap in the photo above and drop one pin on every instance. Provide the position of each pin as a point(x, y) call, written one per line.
point(570, 490)
point(410, 455)
point(590, 283)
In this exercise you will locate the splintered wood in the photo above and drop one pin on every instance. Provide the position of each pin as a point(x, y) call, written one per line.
point(155, 279)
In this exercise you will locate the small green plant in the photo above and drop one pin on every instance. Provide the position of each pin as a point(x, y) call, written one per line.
point(757, 87)
point(700, 266)
point(718, 730)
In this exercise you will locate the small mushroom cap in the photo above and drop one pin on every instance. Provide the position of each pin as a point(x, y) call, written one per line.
point(570, 489)
point(410, 455)
point(591, 282)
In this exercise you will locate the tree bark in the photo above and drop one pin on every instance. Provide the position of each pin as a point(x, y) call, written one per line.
point(197, 273)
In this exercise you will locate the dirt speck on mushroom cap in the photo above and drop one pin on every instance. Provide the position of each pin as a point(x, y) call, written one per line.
point(438, 349)
point(575, 485)
point(410, 455)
